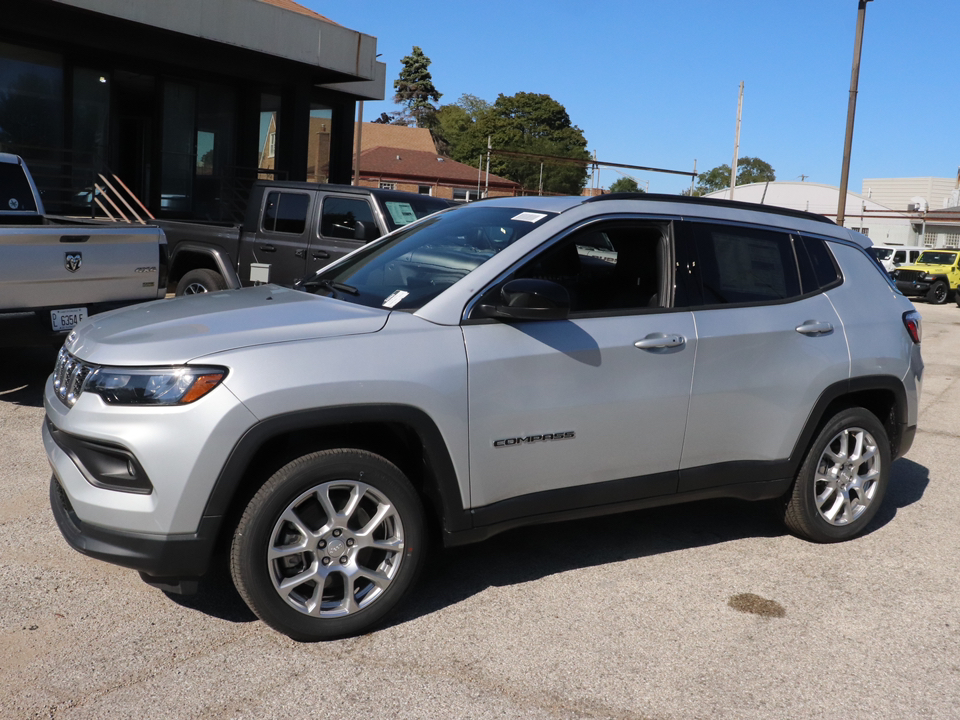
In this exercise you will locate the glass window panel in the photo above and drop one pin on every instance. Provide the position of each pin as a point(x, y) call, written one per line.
point(340, 216)
point(318, 149)
point(178, 152)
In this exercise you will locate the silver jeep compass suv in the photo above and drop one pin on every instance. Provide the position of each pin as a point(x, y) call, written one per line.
point(502, 363)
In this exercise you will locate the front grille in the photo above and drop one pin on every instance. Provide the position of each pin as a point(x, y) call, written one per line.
point(908, 275)
point(69, 374)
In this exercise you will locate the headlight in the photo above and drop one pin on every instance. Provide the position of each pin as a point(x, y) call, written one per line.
point(153, 386)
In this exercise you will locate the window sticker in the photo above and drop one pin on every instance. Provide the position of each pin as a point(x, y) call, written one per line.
point(395, 297)
point(401, 212)
point(530, 217)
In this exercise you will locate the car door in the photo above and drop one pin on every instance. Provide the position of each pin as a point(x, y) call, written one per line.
point(588, 410)
point(280, 240)
point(345, 223)
point(769, 343)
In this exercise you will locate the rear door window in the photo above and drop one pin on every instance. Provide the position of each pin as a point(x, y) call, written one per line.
point(738, 265)
point(286, 213)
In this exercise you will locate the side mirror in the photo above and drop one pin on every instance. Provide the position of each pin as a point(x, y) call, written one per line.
point(365, 231)
point(530, 299)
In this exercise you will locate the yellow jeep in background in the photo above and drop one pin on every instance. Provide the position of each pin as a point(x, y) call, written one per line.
point(934, 276)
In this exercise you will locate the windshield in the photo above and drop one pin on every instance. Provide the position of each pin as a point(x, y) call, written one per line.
point(880, 253)
point(404, 209)
point(937, 258)
point(410, 268)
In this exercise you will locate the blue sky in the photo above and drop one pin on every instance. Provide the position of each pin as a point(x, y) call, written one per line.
point(655, 83)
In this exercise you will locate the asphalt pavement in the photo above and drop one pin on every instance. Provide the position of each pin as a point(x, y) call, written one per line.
point(709, 610)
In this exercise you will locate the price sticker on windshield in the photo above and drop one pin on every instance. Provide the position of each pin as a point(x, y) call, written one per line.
point(530, 217)
point(395, 297)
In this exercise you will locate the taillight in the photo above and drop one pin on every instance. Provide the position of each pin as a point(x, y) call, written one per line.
point(911, 321)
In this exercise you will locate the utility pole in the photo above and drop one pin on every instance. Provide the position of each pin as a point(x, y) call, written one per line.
point(851, 111)
point(736, 144)
point(486, 187)
point(356, 151)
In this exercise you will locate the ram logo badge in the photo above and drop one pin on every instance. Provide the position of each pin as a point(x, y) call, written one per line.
point(545, 437)
point(72, 261)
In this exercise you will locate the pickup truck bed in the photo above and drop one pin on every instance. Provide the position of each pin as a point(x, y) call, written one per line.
point(61, 270)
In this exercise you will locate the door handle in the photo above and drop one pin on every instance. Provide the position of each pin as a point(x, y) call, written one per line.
point(659, 340)
point(268, 248)
point(812, 327)
point(320, 254)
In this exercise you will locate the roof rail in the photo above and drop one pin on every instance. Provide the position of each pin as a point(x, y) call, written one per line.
point(693, 200)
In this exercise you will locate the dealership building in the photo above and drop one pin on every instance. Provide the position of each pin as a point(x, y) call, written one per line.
point(186, 102)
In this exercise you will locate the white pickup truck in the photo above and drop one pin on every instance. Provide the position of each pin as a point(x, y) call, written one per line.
point(56, 271)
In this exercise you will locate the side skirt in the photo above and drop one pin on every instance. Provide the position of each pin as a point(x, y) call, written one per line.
point(494, 519)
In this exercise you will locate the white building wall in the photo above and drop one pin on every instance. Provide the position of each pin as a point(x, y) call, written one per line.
point(882, 224)
point(898, 193)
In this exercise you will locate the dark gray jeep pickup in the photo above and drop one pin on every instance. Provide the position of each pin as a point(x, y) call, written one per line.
point(56, 271)
point(290, 230)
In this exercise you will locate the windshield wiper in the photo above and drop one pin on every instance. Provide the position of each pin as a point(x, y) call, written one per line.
point(330, 286)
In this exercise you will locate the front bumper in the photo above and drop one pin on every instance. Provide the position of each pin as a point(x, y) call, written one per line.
point(914, 289)
point(172, 562)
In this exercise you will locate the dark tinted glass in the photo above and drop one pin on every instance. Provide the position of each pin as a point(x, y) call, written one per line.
point(808, 277)
point(745, 265)
point(286, 213)
point(824, 266)
point(341, 215)
point(15, 192)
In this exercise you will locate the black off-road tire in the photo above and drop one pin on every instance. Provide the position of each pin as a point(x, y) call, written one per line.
point(818, 488)
point(939, 293)
point(201, 280)
point(319, 550)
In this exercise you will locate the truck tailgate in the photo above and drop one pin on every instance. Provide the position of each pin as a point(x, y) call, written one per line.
point(58, 266)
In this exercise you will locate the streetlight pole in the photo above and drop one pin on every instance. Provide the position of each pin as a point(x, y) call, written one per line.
point(851, 111)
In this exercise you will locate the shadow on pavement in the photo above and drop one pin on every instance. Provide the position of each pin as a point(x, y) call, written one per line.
point(531, 553)
point(23, 372)
point(217, 596)
point(908, 482)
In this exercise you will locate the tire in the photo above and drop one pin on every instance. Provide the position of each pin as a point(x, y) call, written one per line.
point(329, 545)
point(842, 480)
point(200, 281)
point(939, 293)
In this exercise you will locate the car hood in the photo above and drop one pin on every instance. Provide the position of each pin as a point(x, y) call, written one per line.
point(927, 268)
point(175, 331)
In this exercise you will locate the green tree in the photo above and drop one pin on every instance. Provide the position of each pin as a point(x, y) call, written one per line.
point(754, 170)
point(625, 184)
point(749, 170)
point(457, 127)
point(414, 89)
point(525, 122)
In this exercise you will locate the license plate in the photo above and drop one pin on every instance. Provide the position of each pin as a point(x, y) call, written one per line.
point(66, 318)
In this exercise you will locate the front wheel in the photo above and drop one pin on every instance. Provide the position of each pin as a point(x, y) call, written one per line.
point(201, 280)
point(939, 293)
point(842, 480)
point(329, 545)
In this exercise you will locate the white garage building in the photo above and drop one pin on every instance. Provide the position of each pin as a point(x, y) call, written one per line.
point(884, 225)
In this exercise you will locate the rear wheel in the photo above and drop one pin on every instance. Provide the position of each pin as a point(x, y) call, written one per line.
point(939, 293)
point(200, 281)
point(842, 481)
point(329, 545)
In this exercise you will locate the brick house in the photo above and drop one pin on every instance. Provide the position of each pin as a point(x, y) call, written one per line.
point(405, 158)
